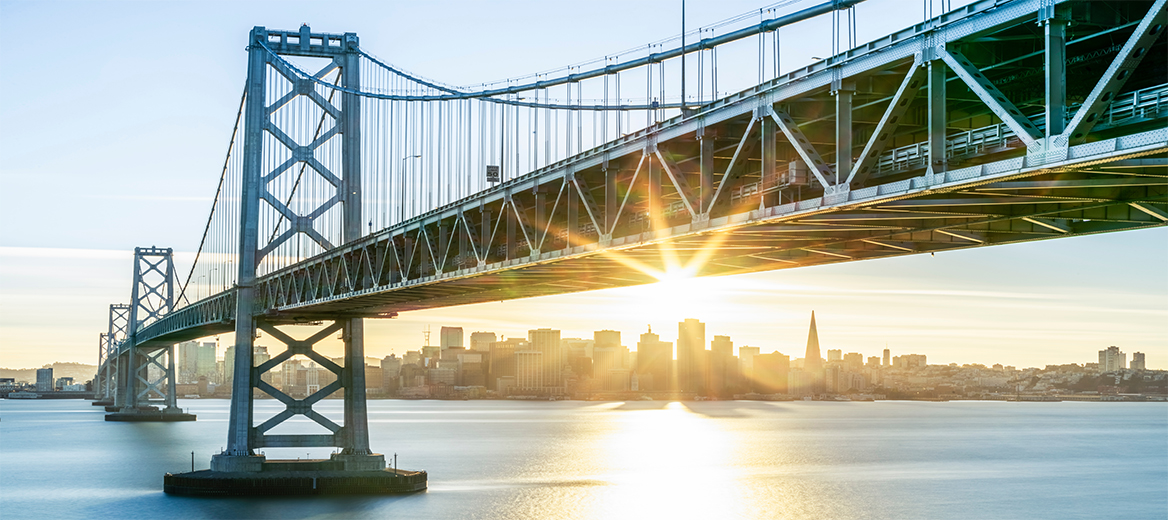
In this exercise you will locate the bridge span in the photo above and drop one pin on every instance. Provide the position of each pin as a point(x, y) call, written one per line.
point(353, 189)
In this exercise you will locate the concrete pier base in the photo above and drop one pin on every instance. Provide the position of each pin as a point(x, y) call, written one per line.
point(338, 475)
point(106, 404)
point(148, 414)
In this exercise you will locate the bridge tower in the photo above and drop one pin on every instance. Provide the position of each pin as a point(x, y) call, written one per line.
point(240, 458)
point(147, 369)
point(107, 369)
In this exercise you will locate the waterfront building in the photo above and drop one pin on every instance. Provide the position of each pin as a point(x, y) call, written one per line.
point(481, 341)
point(1137, 362)
point(691, 356)
point(44, 381)
point(1111, 359)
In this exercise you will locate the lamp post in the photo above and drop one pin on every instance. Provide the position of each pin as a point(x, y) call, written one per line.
point(199, 286)
point(402, 185)
point(211, 279)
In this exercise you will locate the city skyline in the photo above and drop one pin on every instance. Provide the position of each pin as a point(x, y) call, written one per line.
point(1026, 304)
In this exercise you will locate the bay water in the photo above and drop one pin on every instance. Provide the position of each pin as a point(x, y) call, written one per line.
point(635, 460)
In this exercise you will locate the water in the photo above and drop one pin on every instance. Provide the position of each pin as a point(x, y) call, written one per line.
point(637, 460)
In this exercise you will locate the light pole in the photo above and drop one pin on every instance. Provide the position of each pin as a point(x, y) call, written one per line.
point(199, 286)
point(402, 186)
point(211, 279)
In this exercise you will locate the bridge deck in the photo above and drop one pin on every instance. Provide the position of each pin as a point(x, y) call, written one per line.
point(699, 192)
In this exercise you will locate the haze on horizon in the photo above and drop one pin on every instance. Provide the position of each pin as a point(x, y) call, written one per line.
point(120, 143)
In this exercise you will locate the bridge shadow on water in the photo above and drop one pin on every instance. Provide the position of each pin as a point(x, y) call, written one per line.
point(719, 409)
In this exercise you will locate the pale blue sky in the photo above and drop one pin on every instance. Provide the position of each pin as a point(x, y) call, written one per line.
point(116, 116)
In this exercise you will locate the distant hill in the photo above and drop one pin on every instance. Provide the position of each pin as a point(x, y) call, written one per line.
point(78, 371)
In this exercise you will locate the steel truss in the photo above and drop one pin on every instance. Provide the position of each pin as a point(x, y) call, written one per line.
point(759, 180)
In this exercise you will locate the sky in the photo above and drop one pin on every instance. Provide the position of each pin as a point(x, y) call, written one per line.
point(114, 118)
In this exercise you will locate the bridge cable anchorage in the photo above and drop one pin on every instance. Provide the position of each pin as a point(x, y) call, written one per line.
point(831, 6)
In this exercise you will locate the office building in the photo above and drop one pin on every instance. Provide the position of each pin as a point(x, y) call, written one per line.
point(746, 363)
point(481, 341)
point(691, 356)
point(450, 337)
point(834, 355)
point(44, 382)
point(206, 363)
point(799, 383)
point(854, 360)
point(654, 363)
point(188, 361)
point(771, 373)
point(529, 371)
point(887, 358)
point(547, 343)
point(723, 368)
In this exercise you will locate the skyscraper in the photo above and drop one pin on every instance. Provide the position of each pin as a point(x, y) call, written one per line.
point(547, 343)
point(723, 369)
point(450, 337)
point(812, 363)
point(654, 363)
point(887, 357)
point(746, 363)
point(691, 356)
point(188, 361)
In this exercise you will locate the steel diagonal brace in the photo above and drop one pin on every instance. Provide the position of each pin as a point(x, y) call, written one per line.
point(589, 203)
point(472, 238)
point(805, 149)
point(547, 226)
point(625, 200)
point(729, 167)
point(992, 97)
point(1117, 74)
point(679, 182)
point(524, 225)
point(888, 123)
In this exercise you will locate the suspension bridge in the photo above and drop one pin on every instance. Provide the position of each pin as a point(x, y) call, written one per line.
point(353, 189)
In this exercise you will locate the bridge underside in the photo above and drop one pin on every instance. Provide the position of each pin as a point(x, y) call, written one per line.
point(745, 184)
